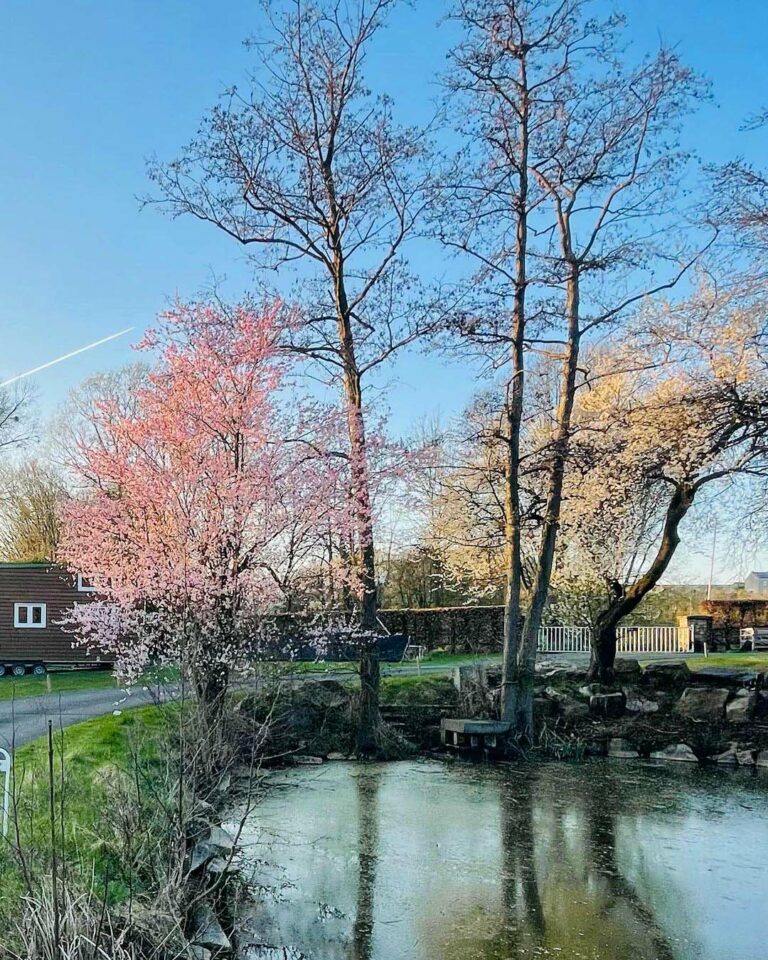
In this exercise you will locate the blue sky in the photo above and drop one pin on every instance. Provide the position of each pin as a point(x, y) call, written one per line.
point(89, 89)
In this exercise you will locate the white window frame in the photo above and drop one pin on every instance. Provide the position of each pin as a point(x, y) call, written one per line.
point(82, 587)
point(29, 625)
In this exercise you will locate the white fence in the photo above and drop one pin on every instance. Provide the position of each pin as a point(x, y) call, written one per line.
point(564, 639)
point(664, 639)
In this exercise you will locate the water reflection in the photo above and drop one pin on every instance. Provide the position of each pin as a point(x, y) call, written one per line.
point(424, 861)
point(523, 913)
point(367, 785)
point(560, 884)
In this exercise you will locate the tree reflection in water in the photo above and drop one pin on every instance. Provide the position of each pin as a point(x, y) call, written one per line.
point(421, 861)
point(367, 783)
point(521, 902)
point(561, 886)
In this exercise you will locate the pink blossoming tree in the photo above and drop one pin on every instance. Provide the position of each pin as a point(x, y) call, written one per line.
point(193, 490)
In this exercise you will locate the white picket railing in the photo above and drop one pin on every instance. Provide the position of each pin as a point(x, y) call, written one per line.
point(564, 639)
point(653, 639)
point(644, 639)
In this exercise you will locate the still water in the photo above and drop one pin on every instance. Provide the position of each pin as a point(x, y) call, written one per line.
point(432, 861)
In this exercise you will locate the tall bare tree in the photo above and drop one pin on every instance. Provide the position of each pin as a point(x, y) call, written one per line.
point(564, 199)
point(307, 168)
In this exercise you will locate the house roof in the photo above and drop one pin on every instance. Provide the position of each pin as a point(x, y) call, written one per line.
point(760, 574)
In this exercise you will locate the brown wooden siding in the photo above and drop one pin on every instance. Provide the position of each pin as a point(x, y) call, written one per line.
point(58, 591)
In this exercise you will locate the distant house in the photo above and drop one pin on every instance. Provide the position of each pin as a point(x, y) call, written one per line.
point(33, 599)
point(757, 582)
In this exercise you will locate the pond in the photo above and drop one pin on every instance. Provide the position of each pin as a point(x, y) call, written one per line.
point(433, 861)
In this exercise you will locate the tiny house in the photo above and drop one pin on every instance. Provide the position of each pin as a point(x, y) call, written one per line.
point(34, 597)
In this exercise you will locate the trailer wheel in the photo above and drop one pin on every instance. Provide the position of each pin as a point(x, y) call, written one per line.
point(39, 670)
point(18, 669)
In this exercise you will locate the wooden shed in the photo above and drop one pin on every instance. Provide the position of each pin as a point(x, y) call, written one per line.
point(34, 597)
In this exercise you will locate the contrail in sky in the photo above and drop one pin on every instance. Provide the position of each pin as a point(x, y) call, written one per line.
point(67, 356)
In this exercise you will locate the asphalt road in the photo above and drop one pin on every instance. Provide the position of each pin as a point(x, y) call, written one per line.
point(26, 719)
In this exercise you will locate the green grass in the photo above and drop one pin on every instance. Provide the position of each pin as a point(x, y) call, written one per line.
point(64, 681)
point(438, 658)
point(68, 681)
point(87, 748)
point(734, 659)
point(415, 690)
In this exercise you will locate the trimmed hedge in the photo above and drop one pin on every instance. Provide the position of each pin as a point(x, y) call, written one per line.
point(456, 629)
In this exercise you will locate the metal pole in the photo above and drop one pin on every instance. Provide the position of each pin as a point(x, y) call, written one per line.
point(54, 866)
point(5, 770)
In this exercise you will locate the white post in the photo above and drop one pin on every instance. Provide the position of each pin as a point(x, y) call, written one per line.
point(712, 558)
point(5, 772)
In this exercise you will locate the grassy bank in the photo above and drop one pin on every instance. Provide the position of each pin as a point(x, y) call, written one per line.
point(90, 759)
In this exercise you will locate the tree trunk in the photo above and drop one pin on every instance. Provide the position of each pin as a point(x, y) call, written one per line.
point(514, 417)
point(524, 717)
point(626, 599)
point(369, 720)
point(603, 647)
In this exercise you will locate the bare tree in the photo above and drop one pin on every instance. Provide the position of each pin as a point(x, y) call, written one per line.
point(14, 432)
point(739, 201)
point(564, 198)
point(308, 168)
point(14, 429)
point(30, 497)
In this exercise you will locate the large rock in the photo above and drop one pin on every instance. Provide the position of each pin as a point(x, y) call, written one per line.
point(219, 865)
point(703, 703)
point(627, 670)
point(590, 689)
point(729, 757)
point(725, 676)
point(742, 707)
point(574, 711)
point(761, 707)
point(664, 672)
point(622, 749)
point(638, 704)
point(678, 752)
point(549, 672)
point(218, 843)
point(555, 695)
point(607, 705)
point(746, 758)
point(762, 758)
point(544, 708)
point(206, 929)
